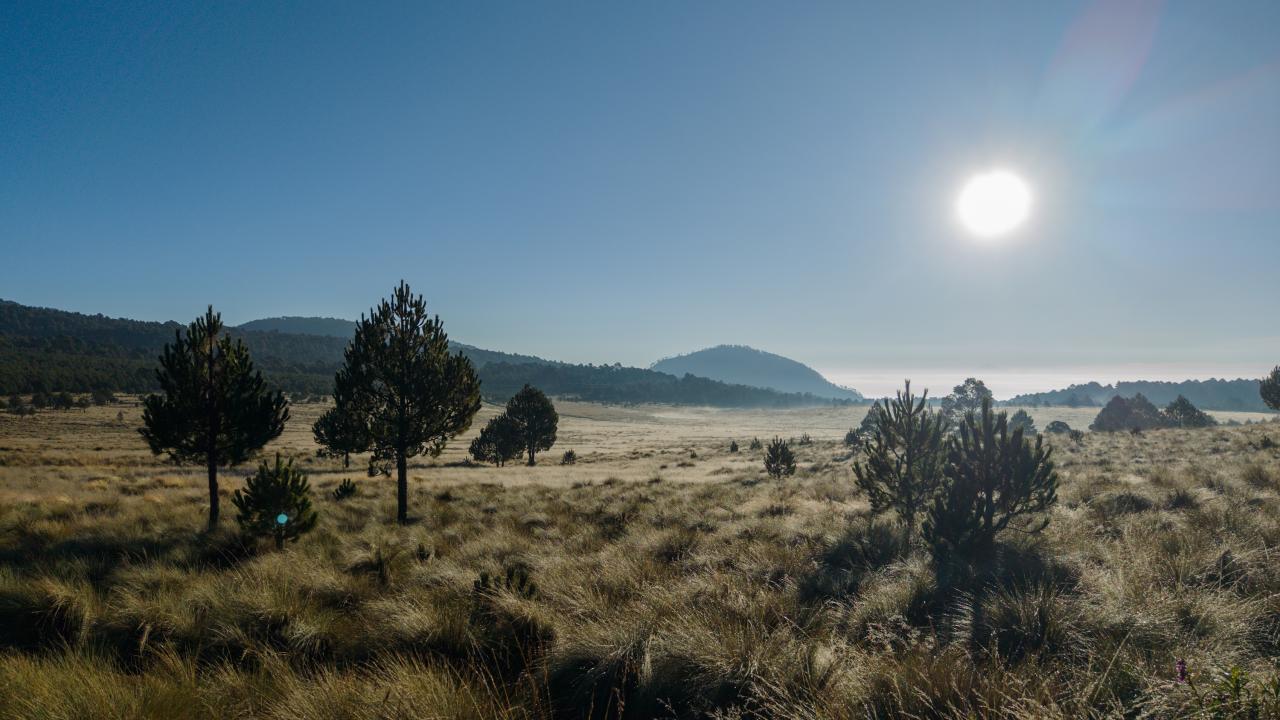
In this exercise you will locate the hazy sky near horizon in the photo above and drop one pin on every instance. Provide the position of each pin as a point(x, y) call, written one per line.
point(600, 182)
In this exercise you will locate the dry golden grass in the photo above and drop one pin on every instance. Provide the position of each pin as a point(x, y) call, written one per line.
point(667, 578)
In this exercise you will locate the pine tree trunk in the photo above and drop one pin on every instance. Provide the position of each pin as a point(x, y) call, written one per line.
point(402, 489)
point(213, 493)
point(530, 456)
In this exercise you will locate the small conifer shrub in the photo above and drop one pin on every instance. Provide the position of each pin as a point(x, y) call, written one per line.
point(779, 461)
point(345, 489)
point(275, 502)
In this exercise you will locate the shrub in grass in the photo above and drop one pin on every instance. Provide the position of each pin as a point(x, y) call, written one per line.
point(779, 461)
point(1021, 420)
point(1136, 413)
point(1181, 413)
point(275, 502)
point(507, 637)
point(569, 458)
point(345, 489)
point(994, 479)
point(902, 460)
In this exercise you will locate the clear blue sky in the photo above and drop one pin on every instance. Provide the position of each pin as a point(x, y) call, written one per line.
point(624, 181)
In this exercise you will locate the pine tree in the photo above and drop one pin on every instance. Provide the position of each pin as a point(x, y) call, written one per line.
point(276, 502)
point(1270, 389)
point(1136, 413)
point(214, 406)
point(965, 398)
point(779, 461)
point(340, 432)
point(1021, 420)
point(536, 419)
point(902, 462)
point(994, 478)
point(399, 382)
point(498, 442)
point(1181, 413)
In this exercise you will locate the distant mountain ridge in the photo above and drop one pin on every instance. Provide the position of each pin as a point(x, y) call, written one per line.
point(43, 349)
point(743, 365)
point(344, 329)
point(329, 327)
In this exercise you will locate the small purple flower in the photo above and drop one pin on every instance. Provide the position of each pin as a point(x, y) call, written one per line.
point(1181, 668)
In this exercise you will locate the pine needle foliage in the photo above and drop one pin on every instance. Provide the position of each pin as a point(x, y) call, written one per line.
point(1021, 420)
point(213, 407)
point(1182, 413)
point(965, 398)
point(340, 433)
point(275, 502)
point(779, 461)
point(499, 441)
point(345, 489)
point(994, 479)
point(902, 458)
point(400, 383)
point(1269, 389)
point(536, 420)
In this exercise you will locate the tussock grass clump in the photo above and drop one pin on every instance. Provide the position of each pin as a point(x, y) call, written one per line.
point(589, 592)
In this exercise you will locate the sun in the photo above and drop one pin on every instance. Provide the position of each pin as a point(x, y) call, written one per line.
point(993, 203)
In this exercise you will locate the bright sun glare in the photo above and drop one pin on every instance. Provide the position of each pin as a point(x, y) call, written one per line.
point(993, 203)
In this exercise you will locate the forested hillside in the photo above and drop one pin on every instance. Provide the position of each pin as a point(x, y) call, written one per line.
point(618, 384)
point(52, 350)
point(1213, 394)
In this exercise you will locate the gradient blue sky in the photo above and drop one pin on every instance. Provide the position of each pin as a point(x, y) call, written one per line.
point(619, 182)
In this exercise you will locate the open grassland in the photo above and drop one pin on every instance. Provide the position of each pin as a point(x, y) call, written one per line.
point(660, 576)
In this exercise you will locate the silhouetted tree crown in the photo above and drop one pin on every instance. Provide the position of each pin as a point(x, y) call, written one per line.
point(1021, 420)
point(400, 383)
point(965, 398)
point(536, 419)
point(214, 407)
point(1181, 413)
point(340, 432)
point(498, 442)
point(1270, 389)
point(1136, 413)
point(902, 457)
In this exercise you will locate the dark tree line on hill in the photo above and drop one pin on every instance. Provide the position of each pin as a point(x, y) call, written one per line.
point(44, 350)
point(625, 385)
point(1215, 394)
